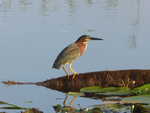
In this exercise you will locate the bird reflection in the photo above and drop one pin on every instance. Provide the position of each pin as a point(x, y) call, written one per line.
point(71, 102)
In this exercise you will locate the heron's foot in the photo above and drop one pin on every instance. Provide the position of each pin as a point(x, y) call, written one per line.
point(74, 75)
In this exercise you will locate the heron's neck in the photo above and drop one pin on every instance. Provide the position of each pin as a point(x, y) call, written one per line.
point(82, 46)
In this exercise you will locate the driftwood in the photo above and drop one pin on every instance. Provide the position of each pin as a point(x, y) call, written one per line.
point(119, 78)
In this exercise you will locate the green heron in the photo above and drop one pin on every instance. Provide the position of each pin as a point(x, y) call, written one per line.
point(69, 54)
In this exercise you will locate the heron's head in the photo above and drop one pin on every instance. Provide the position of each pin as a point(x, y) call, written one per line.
point(86, 38)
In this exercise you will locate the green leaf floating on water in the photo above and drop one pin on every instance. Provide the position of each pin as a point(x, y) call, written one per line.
point(142, 90)
point(2, 102)
point(75, 94)
point(116, 91)
point(142, 99)
point(92, 89)
point(10, 106)
point(13, 107)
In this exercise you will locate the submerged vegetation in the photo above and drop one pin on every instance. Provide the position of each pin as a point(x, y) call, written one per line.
point(6, 105)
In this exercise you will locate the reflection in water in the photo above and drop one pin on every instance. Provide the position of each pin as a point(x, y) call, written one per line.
point(108, 107)
point(45, 7)
point(90, 30)
point(90, 2)
point(137, 13)
point(48, 6)
point(132, 41)
point(135, 25)
point(71, 102)
point(72, 6)
point(24, 4)
point(111, 3)
point(5, 9)
point(111, 8)
point(5, 5)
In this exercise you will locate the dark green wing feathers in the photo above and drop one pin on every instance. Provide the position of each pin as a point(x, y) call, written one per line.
point(67, 55)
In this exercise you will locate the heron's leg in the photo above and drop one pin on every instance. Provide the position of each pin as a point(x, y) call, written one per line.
point(65, 101)
point(73, 100)
point(66, 71)
point(72, 70)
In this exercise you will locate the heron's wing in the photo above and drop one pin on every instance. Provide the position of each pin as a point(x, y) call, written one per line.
point(67, 55)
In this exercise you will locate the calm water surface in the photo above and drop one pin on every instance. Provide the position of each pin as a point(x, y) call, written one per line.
point(33, 32)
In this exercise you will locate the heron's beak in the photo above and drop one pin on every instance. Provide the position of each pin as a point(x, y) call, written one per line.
point(93, 38)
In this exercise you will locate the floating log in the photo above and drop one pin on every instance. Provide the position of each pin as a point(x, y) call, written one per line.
point(119, 78)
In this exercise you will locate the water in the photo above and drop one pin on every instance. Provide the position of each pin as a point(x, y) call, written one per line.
point(34, 32)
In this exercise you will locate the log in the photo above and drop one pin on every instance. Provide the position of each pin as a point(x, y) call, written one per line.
point(119, 78)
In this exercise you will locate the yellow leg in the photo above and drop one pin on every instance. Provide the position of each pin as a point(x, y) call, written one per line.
point(73, 100)
point(66, 71)
point(72, 70)
point(65, 101)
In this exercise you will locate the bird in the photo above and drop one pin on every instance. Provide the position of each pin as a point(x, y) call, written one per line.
point(71, 53)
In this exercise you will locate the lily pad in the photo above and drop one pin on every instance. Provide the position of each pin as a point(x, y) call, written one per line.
point(92, 89)
point(117, 91)
point(10, 106)
point(110, 91)
point(142, 99)
point(142, 90)
point(75, 94)
point(2, 102)
point(32, 110)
